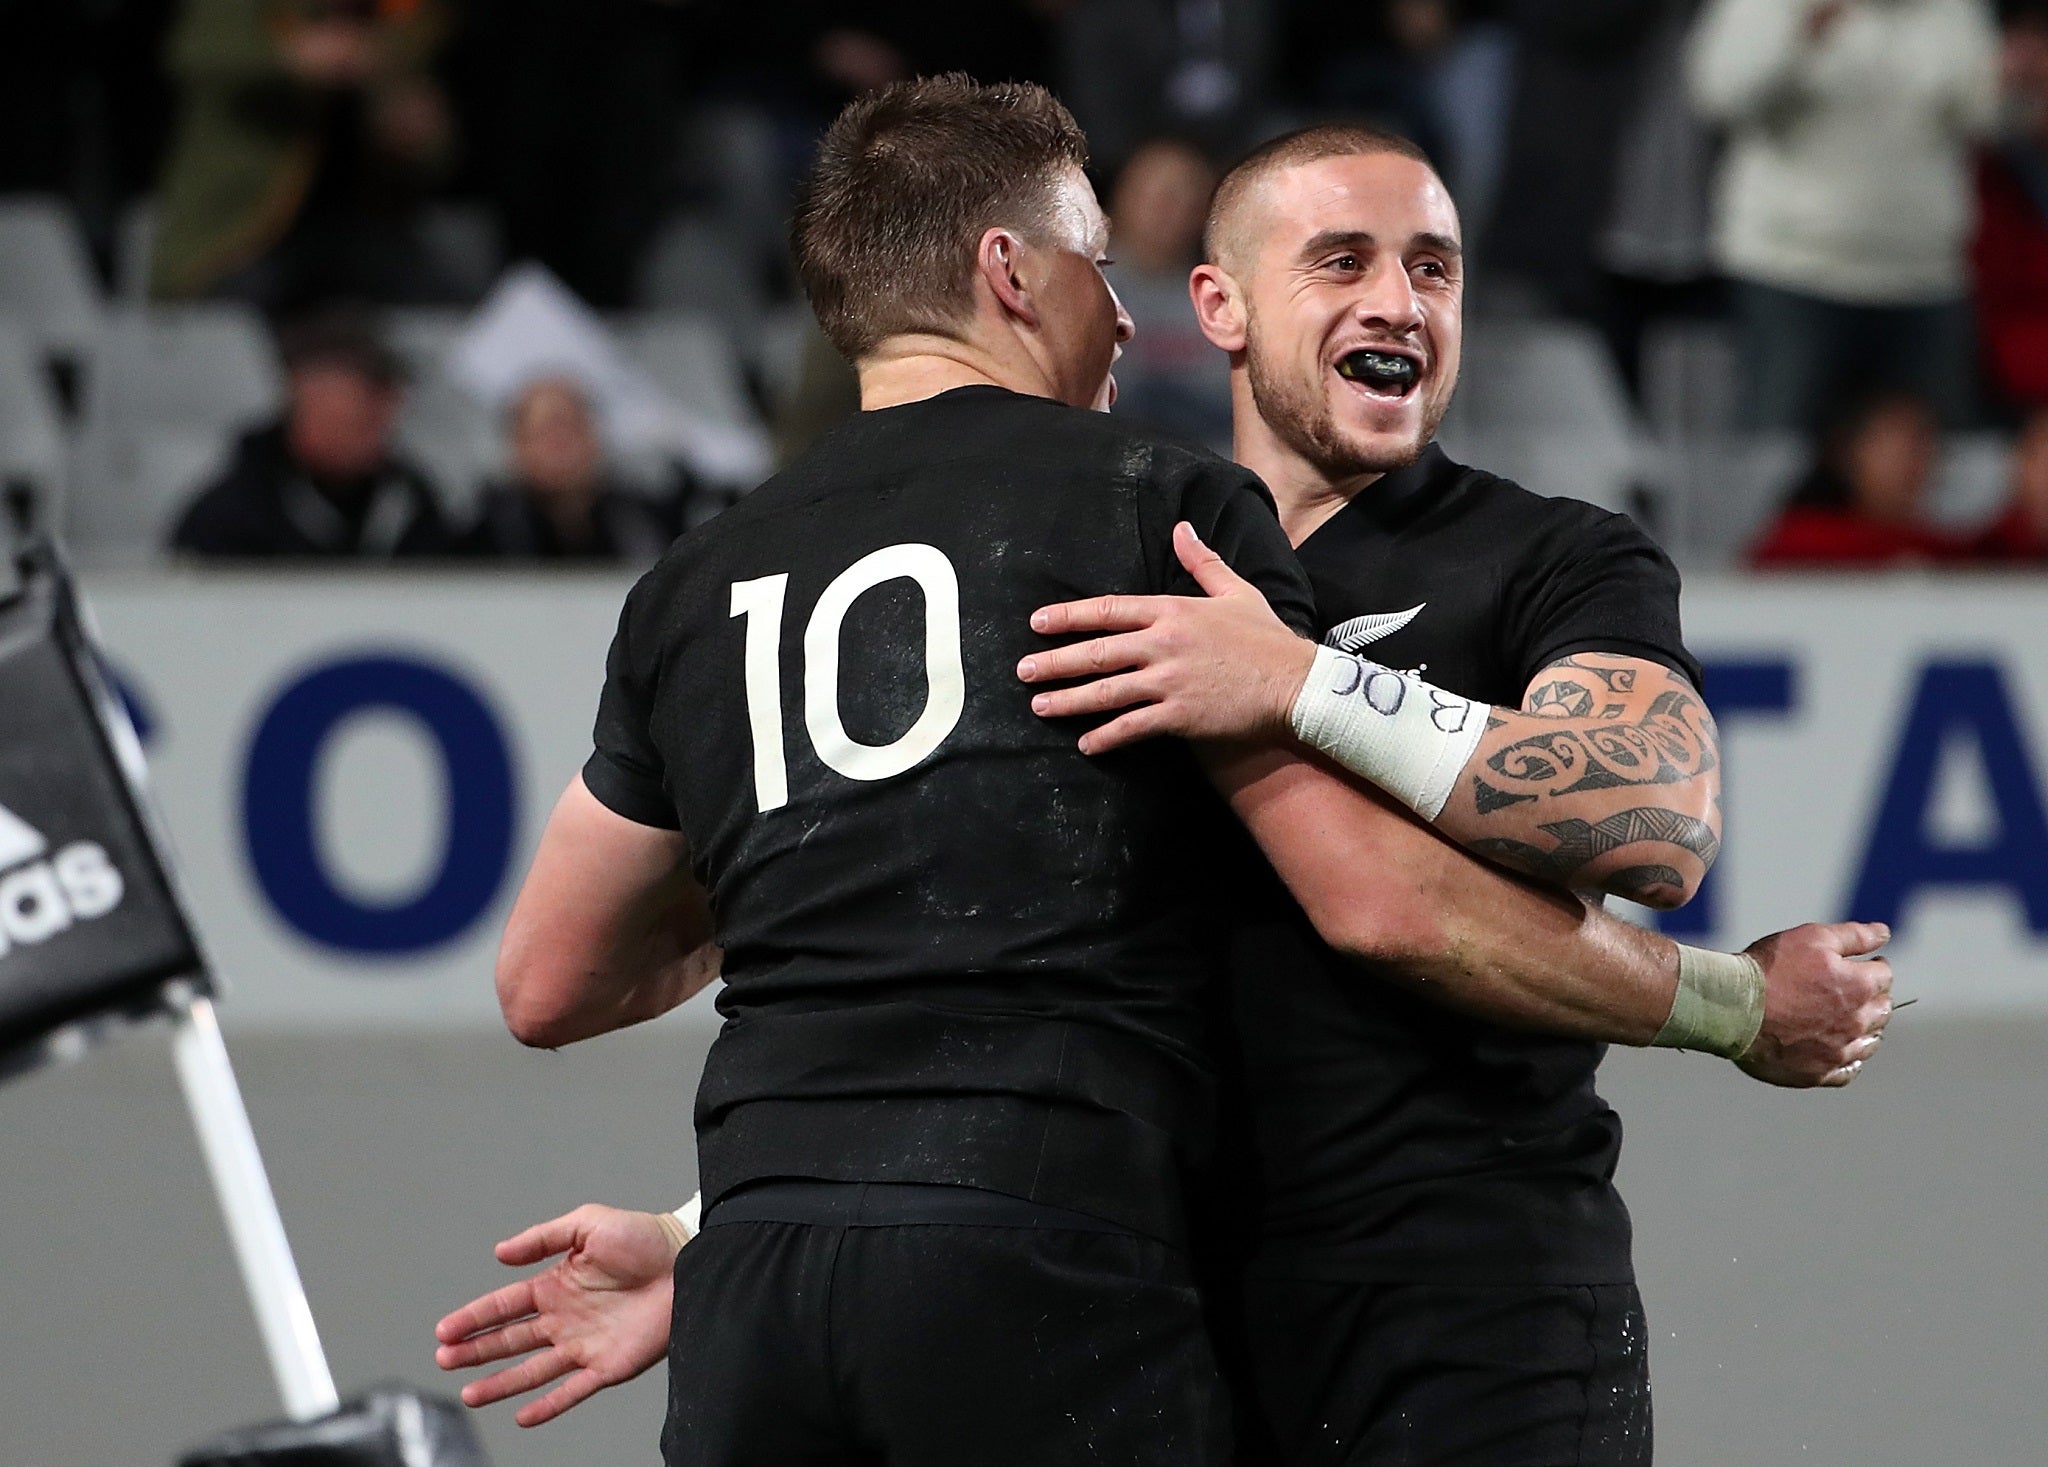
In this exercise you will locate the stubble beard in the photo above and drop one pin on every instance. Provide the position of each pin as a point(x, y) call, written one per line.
point(1303, 421)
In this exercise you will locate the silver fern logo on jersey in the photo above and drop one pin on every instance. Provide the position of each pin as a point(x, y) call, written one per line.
point(42, 895)
point(1361, 632)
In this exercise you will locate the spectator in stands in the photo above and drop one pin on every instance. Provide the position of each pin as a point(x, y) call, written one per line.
point(307, 130)
point(2021, 532)
point(1843, 206)
point(561, 503)
point(2011, 252)
point(1861, 503)
point(1169, 375)
point(324, 482)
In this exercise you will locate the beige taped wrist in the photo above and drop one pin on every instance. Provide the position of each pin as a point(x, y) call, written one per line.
point(1405, 735)
point(1719, 1006)
point(683, 1224)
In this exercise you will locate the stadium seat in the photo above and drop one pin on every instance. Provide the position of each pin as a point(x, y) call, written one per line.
point(133, 485)
point(1539, 400)
point(692, 358)
point(1689, 380)
point(1728, 488)
point(175, 387)
point(422, 336)
point(46, 277)
point(188, 364)
point(32, 448)
point(697, 265)
point(457, 441)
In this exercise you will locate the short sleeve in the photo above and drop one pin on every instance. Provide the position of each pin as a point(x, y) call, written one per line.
point(1232, 512)
point(625, 770)
point(1599, 585)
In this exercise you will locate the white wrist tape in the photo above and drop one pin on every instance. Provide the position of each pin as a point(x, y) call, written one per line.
point(684, 1223)
point(1392, 728)
point(1719, 1006)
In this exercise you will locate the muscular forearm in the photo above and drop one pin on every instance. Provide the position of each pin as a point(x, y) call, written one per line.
point(1379, 885)
point(1796, 1008)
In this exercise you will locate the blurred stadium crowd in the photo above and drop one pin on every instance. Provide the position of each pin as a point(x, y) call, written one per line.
point(506, 278)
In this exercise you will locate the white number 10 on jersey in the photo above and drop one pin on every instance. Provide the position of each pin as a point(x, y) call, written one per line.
point(760, 601)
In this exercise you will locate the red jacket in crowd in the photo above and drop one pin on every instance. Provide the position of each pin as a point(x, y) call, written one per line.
point(1841, 539)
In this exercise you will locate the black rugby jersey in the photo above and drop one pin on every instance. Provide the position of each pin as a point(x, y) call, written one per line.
point(956, 949)
point(1393, 1138)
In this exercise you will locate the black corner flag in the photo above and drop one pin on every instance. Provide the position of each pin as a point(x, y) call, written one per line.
point(90, 926)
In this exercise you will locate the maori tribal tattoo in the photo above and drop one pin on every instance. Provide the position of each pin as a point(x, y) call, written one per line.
point(1582, 842)
point(1669, 741)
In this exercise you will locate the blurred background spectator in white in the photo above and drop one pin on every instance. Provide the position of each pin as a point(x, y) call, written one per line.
point(1169, 375)
point(2011, 248)
point(324, 481)
point(1844, 201)
point(1863, 502)
point(307, 133)
point(561, 501)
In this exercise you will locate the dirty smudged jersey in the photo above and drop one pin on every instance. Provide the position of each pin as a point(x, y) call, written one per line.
point(956, 949)
point(1384, 1136)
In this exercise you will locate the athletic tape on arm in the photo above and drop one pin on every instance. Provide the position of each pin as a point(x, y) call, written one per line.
point(684, 1223)
point(1719, 1006)
point(1405, 735)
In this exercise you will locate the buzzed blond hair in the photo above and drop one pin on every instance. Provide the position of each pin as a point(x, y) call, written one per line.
point(1291, 150)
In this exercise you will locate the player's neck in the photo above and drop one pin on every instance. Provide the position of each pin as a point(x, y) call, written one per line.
point(1303, 493)
point(907, 369)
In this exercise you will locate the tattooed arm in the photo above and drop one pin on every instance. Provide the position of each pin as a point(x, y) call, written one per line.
point(1609, 778)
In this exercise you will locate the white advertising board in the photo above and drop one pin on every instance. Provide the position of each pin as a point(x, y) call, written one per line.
point(355, 768)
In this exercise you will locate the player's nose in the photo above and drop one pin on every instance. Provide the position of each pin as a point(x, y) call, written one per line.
point(1387, 299)
point(1126, 328)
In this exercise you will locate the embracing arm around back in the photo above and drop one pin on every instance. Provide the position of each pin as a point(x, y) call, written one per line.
point(1606, 779)
point(1378, 885)
point(610, 927)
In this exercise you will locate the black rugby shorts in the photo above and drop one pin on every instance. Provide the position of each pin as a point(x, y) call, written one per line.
point(1050, 1341)
point(1416, 1375)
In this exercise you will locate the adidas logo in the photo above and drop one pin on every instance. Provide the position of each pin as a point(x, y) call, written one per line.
point(39, 897)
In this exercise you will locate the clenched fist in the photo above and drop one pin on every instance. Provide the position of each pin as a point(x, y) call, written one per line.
point(1826, 1002)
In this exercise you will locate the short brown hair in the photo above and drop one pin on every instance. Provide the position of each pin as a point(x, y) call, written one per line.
point(1291, 150)
point(906, 182)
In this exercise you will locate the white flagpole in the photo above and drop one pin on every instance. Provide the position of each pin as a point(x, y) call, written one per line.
point(265, 1254)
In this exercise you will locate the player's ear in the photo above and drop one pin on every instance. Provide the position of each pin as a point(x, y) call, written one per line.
point(1000, 264)
point(1219, 306)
